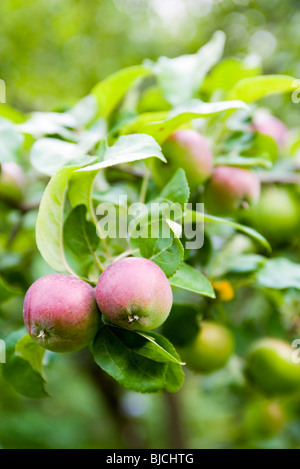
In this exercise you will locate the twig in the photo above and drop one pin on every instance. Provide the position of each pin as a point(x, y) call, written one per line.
point(103, 240)
point(288, 178)
point(139, 172)
point(126, 254)
point(23, 209)
point(14, 232)
point(21, 206)
point(111, 392)
point(144, 187)
point(176, 431)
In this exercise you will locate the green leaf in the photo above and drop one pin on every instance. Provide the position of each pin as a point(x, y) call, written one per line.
point(251, 145)
point(279, 274)
point(197, 108)
point(174, 377)
point(165, 249)
point(192, 216)
point(168, 258)
point(235, 263)
point(244, 229)
point(11, 142)
point(243, 161)
point(193, 109)
point(239, 141)
point(80, 240)
point(48, 155)
point(181, 77)
point(13, 115)
point(29, 351)
point(245, 263)
point(49, 224)
point(264, 145)
point(134, 361)
point(84, 111)
point(110, 91)
point(113, 193)
point(152, 100)
point(182, 325)
point(255, 88)
point(80, 188)
point(7, 292)
point(50, 123)
point(177, 190)
point(135, 123)
point(155, 347)
point(192, 280)
point(228, 72)
point(23, 369)
point(128, 149)
point(174, 373)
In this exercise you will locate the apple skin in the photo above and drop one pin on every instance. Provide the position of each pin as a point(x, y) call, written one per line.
point(210, 350)
point(230, 189)
point(12, 181)
point(277, 214)
point(185, 149)
point(61, 313)
point(134, 293)
point(271, 369)
point(266, 124)
point(263, 418)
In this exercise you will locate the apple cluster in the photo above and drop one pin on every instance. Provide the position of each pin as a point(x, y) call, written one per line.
point(63, 313)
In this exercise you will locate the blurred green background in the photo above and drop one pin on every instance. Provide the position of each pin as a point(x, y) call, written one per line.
point(52, 52)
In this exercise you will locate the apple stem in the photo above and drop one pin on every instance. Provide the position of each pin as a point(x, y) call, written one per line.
point(132, 318)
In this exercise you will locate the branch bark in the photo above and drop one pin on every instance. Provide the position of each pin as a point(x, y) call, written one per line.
point(175, 423)
point(288, 178)
point(111, 392)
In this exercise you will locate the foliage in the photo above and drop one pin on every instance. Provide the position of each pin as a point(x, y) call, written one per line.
point(104, 147)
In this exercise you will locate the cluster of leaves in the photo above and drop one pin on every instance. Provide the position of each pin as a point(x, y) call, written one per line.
point(103, 148)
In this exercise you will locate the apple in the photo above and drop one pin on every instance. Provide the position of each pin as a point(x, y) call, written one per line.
point(185, 149)
point(210, 350)
point(61, 313)
point(270, 367)
point(134, 293)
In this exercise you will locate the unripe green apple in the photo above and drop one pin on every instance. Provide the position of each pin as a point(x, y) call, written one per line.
point(12, 181)
point(264, 418)
point(270, 367)
point(185, 149)
point(231, 188)
point(277, 214)
point(61, 313)
point(134, 293)
point(210, 350)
